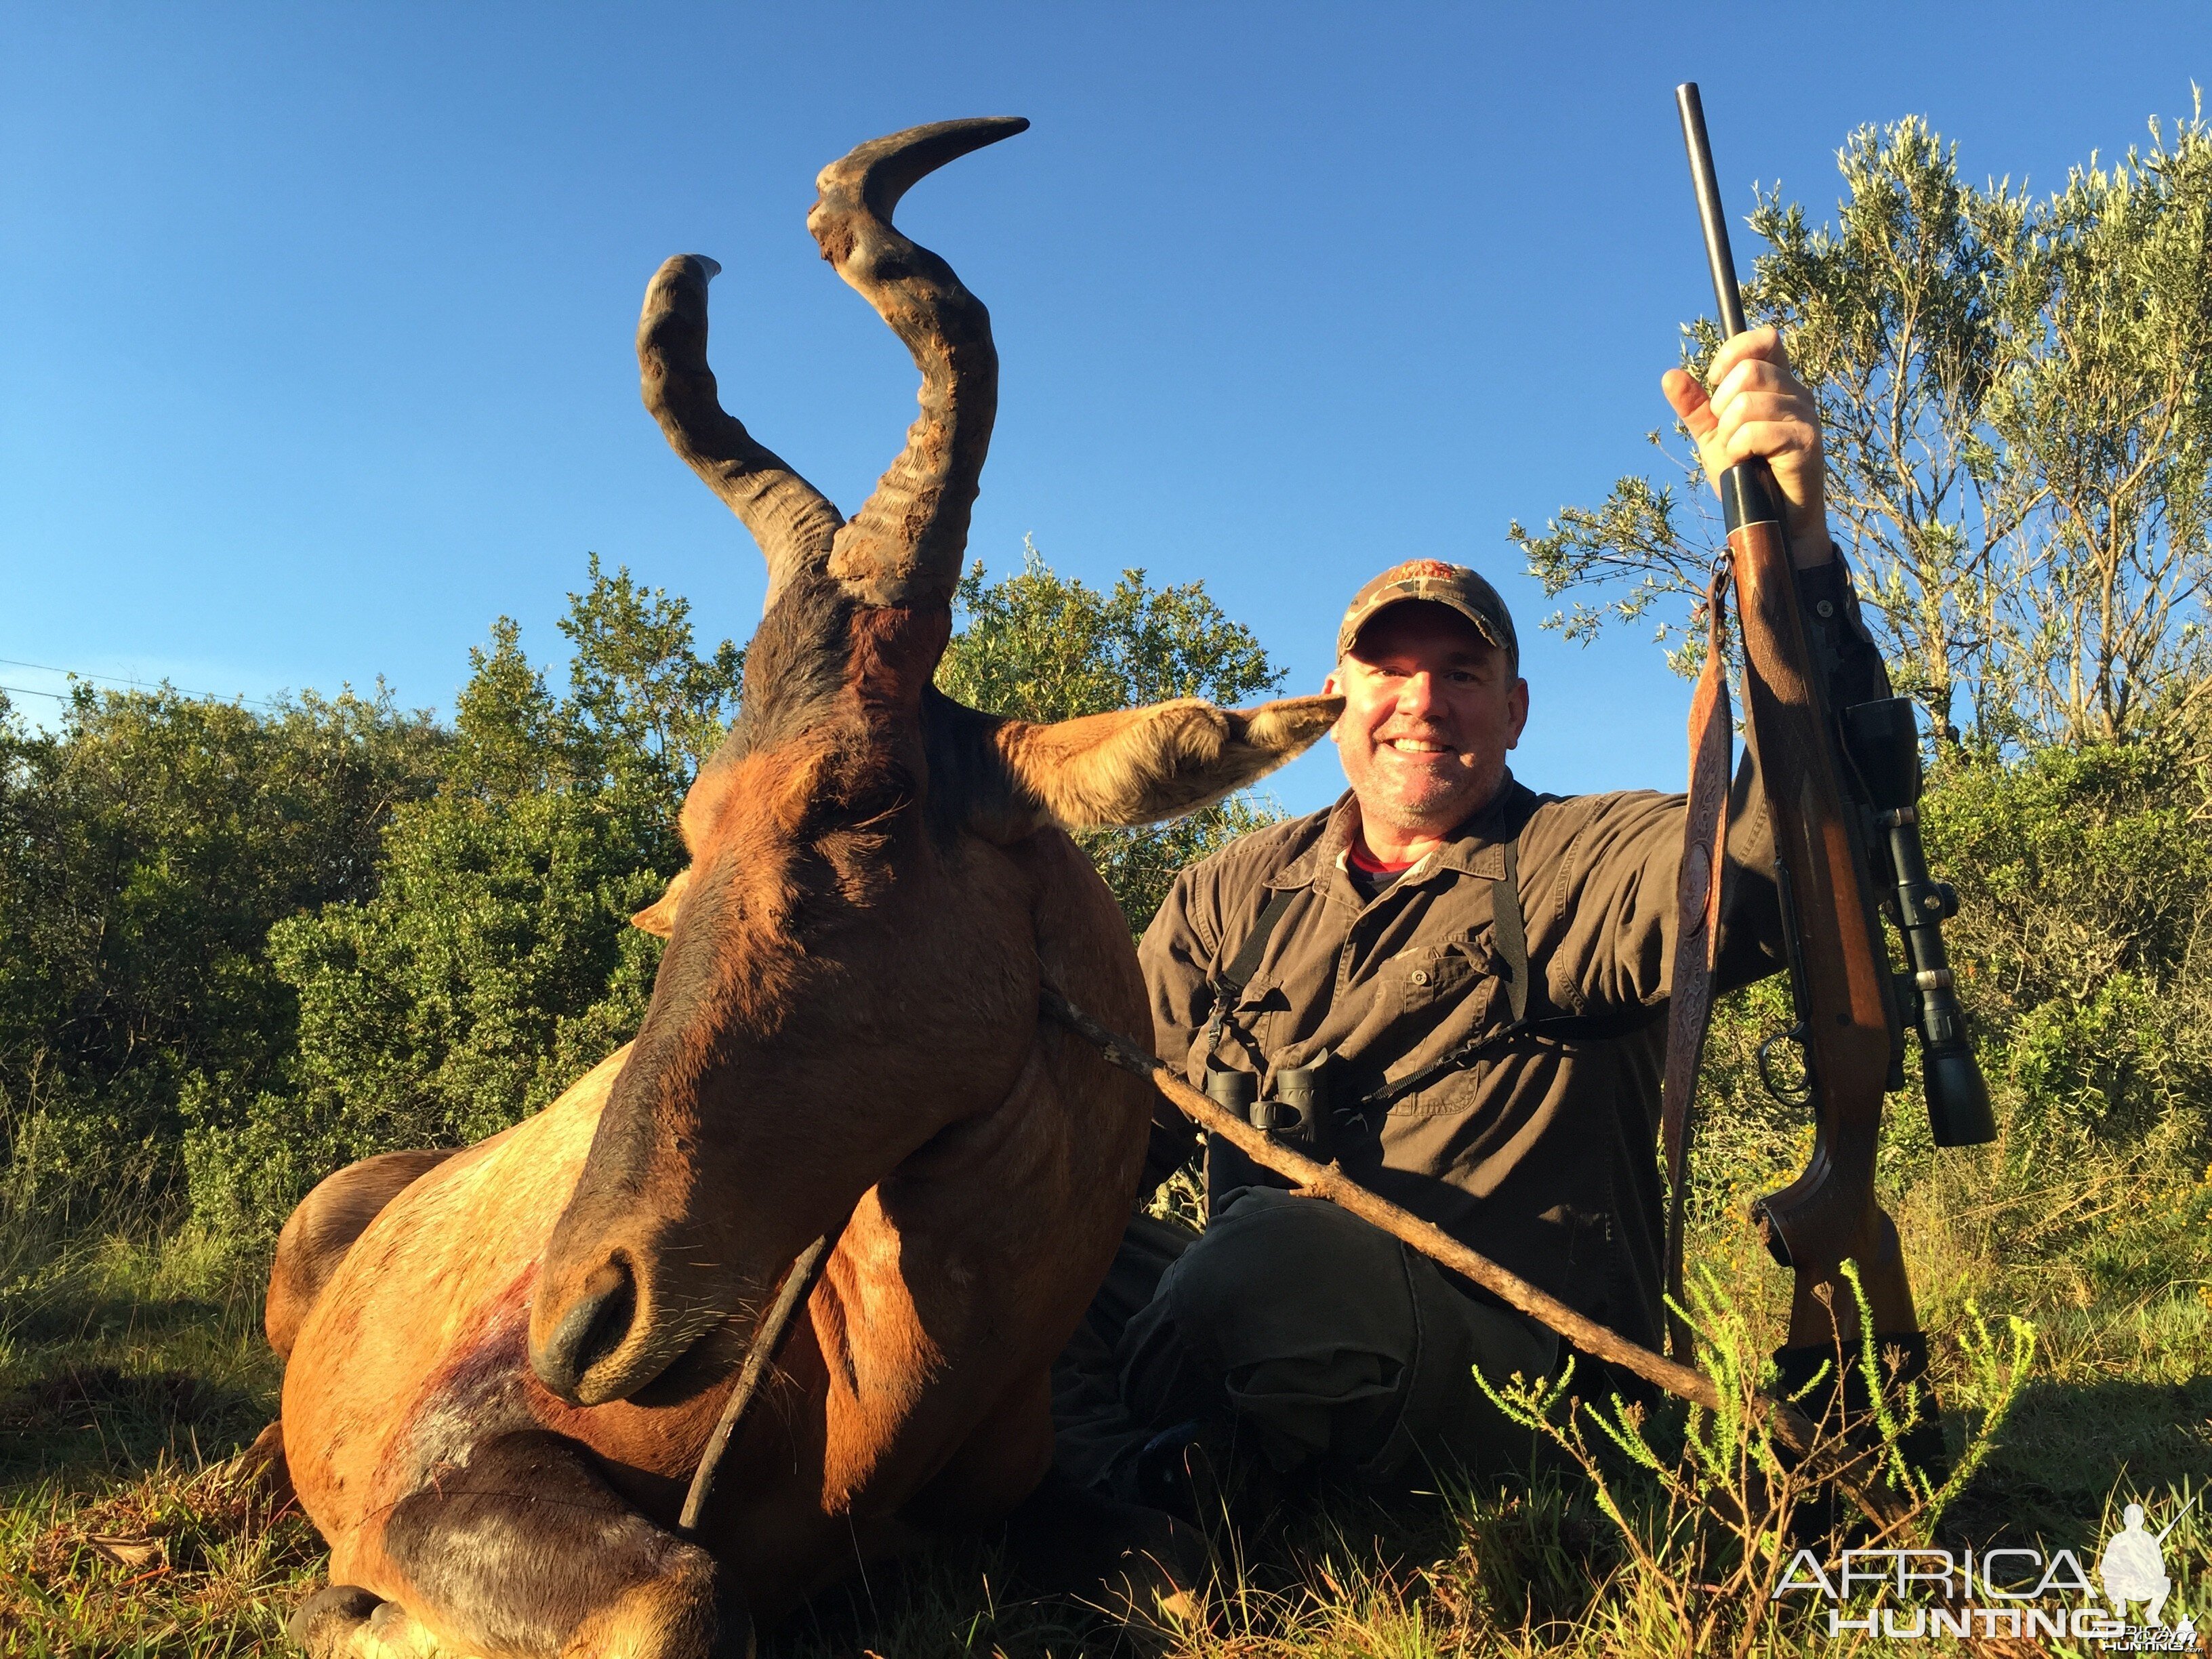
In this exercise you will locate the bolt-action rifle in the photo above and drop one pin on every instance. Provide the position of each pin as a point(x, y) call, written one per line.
point(1842, 789)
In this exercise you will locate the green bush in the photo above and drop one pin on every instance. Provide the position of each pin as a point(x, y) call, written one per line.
point(493, 965)
point(147, 847)
point(2085, 879)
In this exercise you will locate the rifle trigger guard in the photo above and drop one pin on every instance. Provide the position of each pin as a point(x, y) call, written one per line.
point(1788, 1096)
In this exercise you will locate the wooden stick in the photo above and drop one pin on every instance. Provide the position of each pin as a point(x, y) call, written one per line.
point(768, 1339)
point(1790, 1425)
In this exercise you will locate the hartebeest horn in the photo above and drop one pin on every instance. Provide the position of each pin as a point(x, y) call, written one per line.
point(793, 521)
point(905, 545)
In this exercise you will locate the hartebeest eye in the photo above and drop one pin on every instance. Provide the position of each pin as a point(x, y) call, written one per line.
point(875, 807)
point(862, 797)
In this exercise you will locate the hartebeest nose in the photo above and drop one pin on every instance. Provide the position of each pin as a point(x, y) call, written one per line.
point(592, 1329)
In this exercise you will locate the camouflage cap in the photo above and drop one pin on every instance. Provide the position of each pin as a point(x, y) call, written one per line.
point(1438, 583)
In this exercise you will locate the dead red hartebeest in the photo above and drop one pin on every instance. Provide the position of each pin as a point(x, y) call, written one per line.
point(504, 1363)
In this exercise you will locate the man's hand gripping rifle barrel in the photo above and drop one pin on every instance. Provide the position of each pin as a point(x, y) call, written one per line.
point(1842, 786)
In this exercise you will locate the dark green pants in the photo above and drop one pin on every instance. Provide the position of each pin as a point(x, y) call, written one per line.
point(1331, 1344)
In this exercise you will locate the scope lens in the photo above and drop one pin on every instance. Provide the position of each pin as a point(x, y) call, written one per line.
point(1958, 1099)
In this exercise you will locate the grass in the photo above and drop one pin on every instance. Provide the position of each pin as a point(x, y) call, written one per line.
point(132, 1370)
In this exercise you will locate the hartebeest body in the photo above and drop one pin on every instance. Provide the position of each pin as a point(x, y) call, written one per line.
point(497, 1391)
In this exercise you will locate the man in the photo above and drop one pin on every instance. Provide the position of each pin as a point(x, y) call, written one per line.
point(1478, 975)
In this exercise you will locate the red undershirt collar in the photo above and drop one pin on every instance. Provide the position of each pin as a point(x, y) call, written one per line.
point(1375, 866)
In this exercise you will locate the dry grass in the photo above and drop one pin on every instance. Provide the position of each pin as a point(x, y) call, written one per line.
point(131, 1373)
point(176, 1559)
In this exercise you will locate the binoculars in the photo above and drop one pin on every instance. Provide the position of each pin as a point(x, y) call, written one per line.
point(1881, 740)
point(1297, 1115)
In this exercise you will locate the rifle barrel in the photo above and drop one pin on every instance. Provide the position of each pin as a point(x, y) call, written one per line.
point(1709, 209)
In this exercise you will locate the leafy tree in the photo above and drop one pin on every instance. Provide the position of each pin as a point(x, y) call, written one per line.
point(493, 965)
point(1039, 646)
point(2017, 394)
point(2018, 399)
point(146, 848)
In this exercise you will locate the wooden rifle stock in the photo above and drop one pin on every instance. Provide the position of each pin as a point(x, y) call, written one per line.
point(1839, 959)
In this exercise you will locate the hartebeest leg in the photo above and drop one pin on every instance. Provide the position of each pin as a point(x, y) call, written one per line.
point(526, 1551)
point(324, 1625)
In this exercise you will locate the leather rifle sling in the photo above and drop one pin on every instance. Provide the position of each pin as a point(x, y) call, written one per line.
point(1697, 898)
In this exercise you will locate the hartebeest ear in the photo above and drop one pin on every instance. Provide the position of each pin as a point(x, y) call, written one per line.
point(659, 918)
point(1141, 765)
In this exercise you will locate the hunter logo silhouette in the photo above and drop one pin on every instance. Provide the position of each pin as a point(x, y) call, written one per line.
point(2133, 1567)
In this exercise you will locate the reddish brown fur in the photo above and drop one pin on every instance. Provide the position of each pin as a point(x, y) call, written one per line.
point(322, 1229)
point(862, 1422)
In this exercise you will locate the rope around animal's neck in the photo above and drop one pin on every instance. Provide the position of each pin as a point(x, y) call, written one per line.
point(767, 1341)
point(1790, 1425)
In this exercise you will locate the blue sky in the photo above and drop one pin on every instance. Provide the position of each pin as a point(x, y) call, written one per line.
point(315, 321)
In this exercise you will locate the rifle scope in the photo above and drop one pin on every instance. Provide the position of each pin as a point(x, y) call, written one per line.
point(1883, 743)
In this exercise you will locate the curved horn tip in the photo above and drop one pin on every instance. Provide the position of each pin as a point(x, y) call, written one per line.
point(679, 266)
point(883, 169)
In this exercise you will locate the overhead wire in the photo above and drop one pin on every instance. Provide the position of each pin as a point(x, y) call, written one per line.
point(117, 679)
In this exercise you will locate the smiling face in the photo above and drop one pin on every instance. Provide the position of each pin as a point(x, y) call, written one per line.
point(1430, 709)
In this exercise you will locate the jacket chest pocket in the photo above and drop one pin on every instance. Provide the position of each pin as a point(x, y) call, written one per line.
point(1439, 976)
point(1450, 993)
point(1252, 1022)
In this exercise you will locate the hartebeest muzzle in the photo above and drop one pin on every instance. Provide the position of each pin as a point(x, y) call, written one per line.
point(591, 1332)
